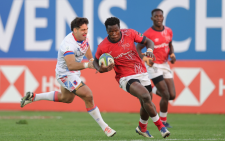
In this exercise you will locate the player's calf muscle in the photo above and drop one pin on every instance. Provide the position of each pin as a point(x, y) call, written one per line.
point(67, 99)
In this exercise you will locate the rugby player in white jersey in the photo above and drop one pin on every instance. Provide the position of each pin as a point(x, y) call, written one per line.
point(71, 52)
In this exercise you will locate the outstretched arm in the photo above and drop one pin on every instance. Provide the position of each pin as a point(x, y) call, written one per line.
point(74, 66)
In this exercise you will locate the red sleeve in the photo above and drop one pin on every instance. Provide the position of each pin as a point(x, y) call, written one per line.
point(138, 37)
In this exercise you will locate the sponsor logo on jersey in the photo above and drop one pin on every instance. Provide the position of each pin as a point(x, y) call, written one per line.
point(122, 54)
point(161, 45)
point(140, 34)
point(156, 39)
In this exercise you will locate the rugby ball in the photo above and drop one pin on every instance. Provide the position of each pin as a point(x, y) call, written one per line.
point(105, 59)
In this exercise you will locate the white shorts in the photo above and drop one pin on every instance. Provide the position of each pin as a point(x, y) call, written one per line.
point(143, 77)
point(159, 69)
point(69, 81)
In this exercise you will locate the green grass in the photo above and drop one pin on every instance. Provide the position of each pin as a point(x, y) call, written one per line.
point(73, 126)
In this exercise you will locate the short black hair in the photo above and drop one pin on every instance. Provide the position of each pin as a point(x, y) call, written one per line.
point(77, 22)
point(157, 9)
point(112, 21)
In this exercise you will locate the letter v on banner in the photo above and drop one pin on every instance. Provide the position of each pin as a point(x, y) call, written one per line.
point(7, 33)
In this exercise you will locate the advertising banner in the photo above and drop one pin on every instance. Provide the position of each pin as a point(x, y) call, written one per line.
point(200, 87)
point(35, 28)
point(31, 32)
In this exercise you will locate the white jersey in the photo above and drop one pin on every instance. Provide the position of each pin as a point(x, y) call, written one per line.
point(68, 46)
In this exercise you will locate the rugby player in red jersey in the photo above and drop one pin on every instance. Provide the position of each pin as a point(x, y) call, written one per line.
point(130, 71)
point(160, 72)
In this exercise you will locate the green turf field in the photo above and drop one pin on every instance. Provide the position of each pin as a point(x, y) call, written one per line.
point(71, 126)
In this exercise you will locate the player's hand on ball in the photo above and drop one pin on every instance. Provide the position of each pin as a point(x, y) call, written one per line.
point(110, 67)
point(90, 65)
point(106, 68)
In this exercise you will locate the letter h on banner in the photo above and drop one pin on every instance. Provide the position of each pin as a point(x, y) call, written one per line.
point(203, 22)
point(221, 87)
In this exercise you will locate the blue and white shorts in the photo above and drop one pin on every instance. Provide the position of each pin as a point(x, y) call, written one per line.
point(69, 81)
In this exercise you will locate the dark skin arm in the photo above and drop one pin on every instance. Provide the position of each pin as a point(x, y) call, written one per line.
point(149, 44)
point(101, 68)
point(172, 56)
point(150, 56)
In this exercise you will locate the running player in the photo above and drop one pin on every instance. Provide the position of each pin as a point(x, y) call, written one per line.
point(160, 73)
point(130, 71)
point(72, 50)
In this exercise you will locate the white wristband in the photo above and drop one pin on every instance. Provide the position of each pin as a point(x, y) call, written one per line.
point(85, 65)
point(91, 60)
point(149, 50)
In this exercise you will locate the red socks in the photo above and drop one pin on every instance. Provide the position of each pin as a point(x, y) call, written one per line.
point(33, 96)
point(163, 119)
point(56, 99)
point(89, 109)
point(159, 124)
point(143, 127)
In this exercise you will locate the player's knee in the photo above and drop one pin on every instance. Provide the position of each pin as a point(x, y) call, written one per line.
point(145, 97)
point(165, 94)
point(89, 97)
point(172, 96)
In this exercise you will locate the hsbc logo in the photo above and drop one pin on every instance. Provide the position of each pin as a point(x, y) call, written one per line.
point(15, 80)
point(193, 86)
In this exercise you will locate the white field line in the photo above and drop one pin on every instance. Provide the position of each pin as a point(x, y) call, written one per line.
point(198, 139)
point(169, 139)
point(30, 117)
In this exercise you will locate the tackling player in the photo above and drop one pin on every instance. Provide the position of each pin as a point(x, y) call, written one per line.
point(160, 72)
point(72, 50)
point(130, 71)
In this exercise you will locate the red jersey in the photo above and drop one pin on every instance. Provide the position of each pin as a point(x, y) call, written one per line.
point(161, 40)
point(126, 58)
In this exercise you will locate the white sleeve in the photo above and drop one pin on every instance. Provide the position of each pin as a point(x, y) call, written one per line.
point(66, 49)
